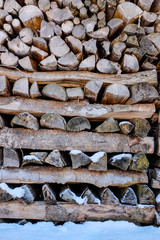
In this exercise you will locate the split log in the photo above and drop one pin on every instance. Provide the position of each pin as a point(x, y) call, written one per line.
point(99, 162)
point(25, 120)
point(138, 52)
point(75, 213)
point(3, 37)
point(49, 63)
point(117, 51)
point(88, 64)
point(90, 23)
point(57, 30)
point(90, 47)
point(142, 92)
point(34, 91)
point(56, 159)
point(105, 48)
point(26, 35)
point(72, 79)
point(58, 47)
point(8, 29)
point(149, 30)
point(75, 93)
point(79, 159)
point(148, 46)
point(38, 54)
point(108, 126)
point(40, 43)
point(76, 21)
point(2, 122)
point(68, 62)
point(141, 127)
point(5, 196)
point(59, 15)
point(115, 93)
point(10, 158)
point(126, 127)
point(11, 6)
point(78, 124)
point(53, 121)
point(107, 197)
point(132, 29)
point(109, 67)
point(30, 2)
point(40, 155)
point(121, 161)
point(44, 5)
point(83, 13)
point(148, 18)
point(79, 32)
point(75, 44)
point(29, 195)
point(14, 105)
point(156, 6)
point(31, 159)
point(145, 195)
point(145, 5)
point(115, 26)
point(69, 196)
point(130, 63)
point(28, 64)
point(46, 30)
point(128, 196)
point(55, 91)
point(155, 183)
point(139, 162)
point(4, 86)
point(90, 197)
point(67, 27)
point(156, 174)
point(132, 41)
point(128, 12)
point(9, 60)
point(1, 3)
point(21, 87)
point(158, 147)
point(31, 17)
point(16, 24)
point(92, 89)
point(18, 47)
point(100, 35)
point(48, 194)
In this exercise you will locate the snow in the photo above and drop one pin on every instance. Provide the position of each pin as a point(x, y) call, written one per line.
point(96, 157)
point(77, 199)
point(108, 230)
point(158, 198)
point(120, 156)
point(31, 157)
point(17, 192)
point(124, 122)
point(75, 152)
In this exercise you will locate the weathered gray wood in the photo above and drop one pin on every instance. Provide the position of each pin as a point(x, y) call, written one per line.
point(21, 87)
point(115, 25)
point(75, 93)
point(107, 197)
point(25, 120)
point(68, 62)
point(88, 64)
point(59, 15)
point(74, 43)
point(69, 196)
point(26, 35)
point(90, 46)
point(40, 43)
point(145, 5)
point(46, 30)
point(2, 122)
point(38, 54)
point(128, 196)
point(53, 121)
point(99, 162)
point(48, 194)
point(156, 174)
point(16, 24)
point(130, 64)
point(67, 27)
point(49, 63)
point(4, 86)
point(3, 37)
point(155, 183)
point(90, 197)
point(56, 159)
point(58, 47)
point(107, 66)
point(54, 91)
point(108, 126)
point(4, 195)
point(44, 5)
point(10, 157)
point(145, 195)
point(9, 60)
point(40, 155)
point(100, 35)
point(126, 127)
point(141, 127)
point(139, 162)
point(14, 105)
point(34, 90)
point(29, 194)
point(78, 124)
point(79, 32)
point(92, 89)
point(117, 51)
point(28, 64)
point(79, 159)
point(18, 47)
point(8, 29)
point(121, 161)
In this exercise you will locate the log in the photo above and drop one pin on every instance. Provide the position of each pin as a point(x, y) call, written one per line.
point(88, 64)
point(68, 62)
point(31, 17)
point(133, 30)
point(16, 24)
point(76, 21)
point(145, 195)
point(29, 195)
point(121, 161)
point(34, 91)
point(2, 122)
point(46, 30)
point(83, 13)
point(90, 197)
point(26, 35)
point(75, 93)
point(68, 195)
point(28, 64)
point(5, 196)
point(74, 43)
point(21, 87)
point(9, 60)
point(49, 63)
point(108, 126)
point(31, 159)
point(48, 194)
point(40, 155)
point(57, 30)
point(156, 174)
point(79, 32)
point(11, 6)
point(90, 23)
point(4, 86)
point(38, 107)
point(130, 64)
point(128, 196)
point(54, 91)
point(10, 158)
point(142, 92)
point(99, 162)
point(132, 41)
point(44, 5)
point(100, 34)
point(25, 120)
point(107, 197)
point(90, 47)
point(156, 6)
point(67, 27)
point(18, 47)
point(78, 124)
point(139, 163)
point(8, 29)
point(141, 127)
point(40, 43)
point(126, 127)
point(92, 89)
point(38, 54)
point(59, 15)
point(1, 156)
point(148, 46)
point(145, 5)
point(79, 159)
point(158, 147)
point(72, 79)
point(58, 47)
point(117, 51)
point(53, 121)
point(3, 37)
point(115, 94)
point(109, 67)
point(105, 48)
point(148, 18)
point(138, 52)
point(115, 26)
point(56, 159)
point(155, 183)
point(72, 212)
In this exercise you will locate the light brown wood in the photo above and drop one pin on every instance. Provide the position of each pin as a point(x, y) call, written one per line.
point(21, 87)
point(9, 60)
point(130, 64)
point(75, 44)
point(145, 5)
point(45, 139)
point(38, 54)
point(15, 105)
point(92, 89)
point(4, 86)
point(40, 43)
point(16, 24)
point(43, 174)
point(73, 212)
point(18, 47)
point(115, 26)
point(25, 120)
point(10, 158)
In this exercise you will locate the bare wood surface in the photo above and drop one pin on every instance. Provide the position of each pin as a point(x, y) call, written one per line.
point(72, 78)
point(45, 139)
point(38, 107)
point(42, 174)
point(73, 212)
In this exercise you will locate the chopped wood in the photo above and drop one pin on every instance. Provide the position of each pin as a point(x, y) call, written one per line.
point(67, 27)
point(40, 155)
point(16, 24)
point(90, 197)
point(139, 162)
point(21, 87)
point(77, 4)
point(75, 44)
point(58, 46)
point(99, 162)
point(46, 30)
point(68, 62)
point(141, 127)
point(121, 161)
point(48, 194)
point(53, 121)
point(146, 65)
point(10, 158)
point(3, 37)
point(78, 124)
point(28, 64)
point(44, 5)
point(49, 63)
point(73, 212)
point(59, 15)
point(132, 41)
point(145, 195)
point(106, 66)
point(18, 47)
point(14, 105)
point(128, 196)
point(156, 174)
point(57, 30)
point(148, 18)
point(115, 26)
point(145, 5)
point(8, 59)
point(34, 90)
point(2, 124)
point(141, 93)
point(88, 64)
point(107, 197)
point(158, 147)
point(105, 48)
point(31, 159)
point(126, 127)
point(155, 183)
point(79, 159)
point(29, 195)
point(11, 6)
point(117, 51)
point(4, 86)
point(100, 34)
point(133, 30)
point(149, 30)
point(148, 46)
point(40, 43)
point(55, 91)
point(56, 159)
point(4, 195)
point(108, 126)
point(93, 8)
point(8, 29)
point(26, 35)
point(69, 196)
point(83, 13)
point(92, 89)
point(130, 63)
point(75, 93)
point(38, 54)
point(115, 94)
point(90, 23)
point(25, 120)
point(155, 38)
point(90, 47)
point(31, 16)
point(156, 6)
point(76, 21)
point(79, 32)
point(1, 150)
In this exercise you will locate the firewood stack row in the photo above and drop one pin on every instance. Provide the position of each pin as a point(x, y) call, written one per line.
point(80, 145)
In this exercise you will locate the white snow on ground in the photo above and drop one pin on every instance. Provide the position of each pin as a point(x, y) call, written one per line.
point(108, 230)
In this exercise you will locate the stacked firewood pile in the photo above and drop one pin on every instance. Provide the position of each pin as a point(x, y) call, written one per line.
point(80, 145)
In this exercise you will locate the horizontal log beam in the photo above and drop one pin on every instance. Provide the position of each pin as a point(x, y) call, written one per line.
point(45, 139)
point(43, 174)
point(38, 107)
point(63, 212)
point(79, 79)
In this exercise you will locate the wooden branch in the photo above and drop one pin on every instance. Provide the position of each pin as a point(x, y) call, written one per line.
point(38, 107)
point(73, 212)
point(45, 139)
point(43, 174)
point(79, 79)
